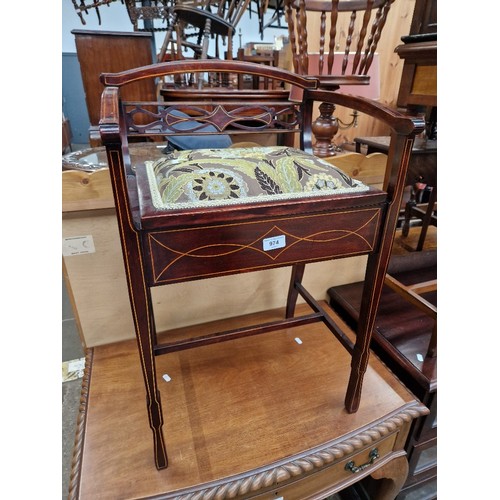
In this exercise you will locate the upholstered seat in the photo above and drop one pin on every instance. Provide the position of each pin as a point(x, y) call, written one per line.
point(214, 177)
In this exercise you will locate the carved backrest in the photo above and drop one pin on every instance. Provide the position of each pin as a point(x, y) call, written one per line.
point(210, 111)
point(356, 47)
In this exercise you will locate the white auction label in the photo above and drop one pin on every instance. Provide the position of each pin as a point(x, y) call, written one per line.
point(274, 242)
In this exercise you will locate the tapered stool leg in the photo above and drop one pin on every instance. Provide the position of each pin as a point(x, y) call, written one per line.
point(140, 302)
point(376, 270)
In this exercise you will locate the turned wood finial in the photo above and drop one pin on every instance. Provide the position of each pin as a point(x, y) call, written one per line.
point(324, 129)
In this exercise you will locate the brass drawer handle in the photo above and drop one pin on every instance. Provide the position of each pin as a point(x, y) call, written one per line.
point(353, 468)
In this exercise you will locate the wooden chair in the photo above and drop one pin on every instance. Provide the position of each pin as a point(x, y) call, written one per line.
point(143, 15)
point(424, 211)
point(206, 213)
point(344, 55)
point(355, 48)
point(218, 20)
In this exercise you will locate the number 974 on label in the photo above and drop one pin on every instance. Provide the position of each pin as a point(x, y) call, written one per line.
point(273, 243)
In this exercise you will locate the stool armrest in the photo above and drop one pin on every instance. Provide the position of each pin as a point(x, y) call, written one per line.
point(398, 122)
point(109, 126)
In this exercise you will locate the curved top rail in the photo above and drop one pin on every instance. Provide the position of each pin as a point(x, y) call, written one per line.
point(206, 65)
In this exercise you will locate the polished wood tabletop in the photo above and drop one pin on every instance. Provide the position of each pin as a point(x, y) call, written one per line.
point(267, 408)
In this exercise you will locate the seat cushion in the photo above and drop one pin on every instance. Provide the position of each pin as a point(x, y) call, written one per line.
point(206, 177)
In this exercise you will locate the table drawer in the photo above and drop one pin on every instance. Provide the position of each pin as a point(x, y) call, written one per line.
point(203, 252)
point(334, 477)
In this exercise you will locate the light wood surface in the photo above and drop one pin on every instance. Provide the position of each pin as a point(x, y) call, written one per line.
point(369, 169)
point(242, 418)
point(86, 190)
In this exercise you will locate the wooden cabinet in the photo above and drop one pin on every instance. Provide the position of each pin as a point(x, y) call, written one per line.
point(110, 51)
point(401, 339)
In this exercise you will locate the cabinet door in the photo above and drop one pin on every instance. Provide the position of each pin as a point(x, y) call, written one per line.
point(109, 52)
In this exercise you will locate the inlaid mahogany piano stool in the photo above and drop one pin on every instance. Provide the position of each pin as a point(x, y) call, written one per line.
point(204, 213)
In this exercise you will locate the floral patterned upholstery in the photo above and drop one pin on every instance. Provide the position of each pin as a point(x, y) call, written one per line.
point(193, 178)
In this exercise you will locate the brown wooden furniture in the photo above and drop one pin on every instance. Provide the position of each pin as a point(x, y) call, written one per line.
point(208, 238)
point(247, 419)
point(335, 45)
point(406, 322)
point(418, 93)
point(210, 19)
point(419, 80)
point(422, 172)
point(421, 209)
point(144, 14)
point(88, 209)
point(403, 337)
point(344, 58)
point(111, 51)
point(270, 59)
point(263, 7)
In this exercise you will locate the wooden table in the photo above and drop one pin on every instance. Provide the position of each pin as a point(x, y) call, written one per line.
point(252, 418)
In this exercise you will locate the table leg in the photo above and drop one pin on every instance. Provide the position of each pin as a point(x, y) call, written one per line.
point(392, 475)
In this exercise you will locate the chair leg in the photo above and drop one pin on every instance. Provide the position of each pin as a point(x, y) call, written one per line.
point(405, 230)
point(145, 331)
point(167, 39)
point(376, 270)
point(427, 219)
point(293, 293)
point(374, 280)
point(204, 50)
point(140, 299)
point(141, 306)
point(432, 348)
